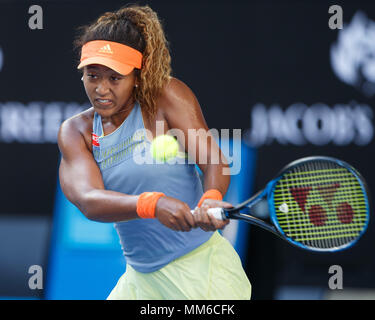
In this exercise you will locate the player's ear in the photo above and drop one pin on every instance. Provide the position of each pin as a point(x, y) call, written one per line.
point(137, 74)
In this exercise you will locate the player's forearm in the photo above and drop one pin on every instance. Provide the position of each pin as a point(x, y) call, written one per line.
point(214, 178)
point(108, 206)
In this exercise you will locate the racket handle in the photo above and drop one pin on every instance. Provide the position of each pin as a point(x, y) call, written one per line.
point(218, 213)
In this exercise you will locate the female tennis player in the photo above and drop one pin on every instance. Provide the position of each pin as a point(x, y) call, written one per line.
point(171, 253)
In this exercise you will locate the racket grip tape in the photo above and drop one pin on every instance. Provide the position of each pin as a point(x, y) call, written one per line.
point(218, 213)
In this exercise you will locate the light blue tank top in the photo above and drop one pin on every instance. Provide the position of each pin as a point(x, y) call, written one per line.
point(147, 244)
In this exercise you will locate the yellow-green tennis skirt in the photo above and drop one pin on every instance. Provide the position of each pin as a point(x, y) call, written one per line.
point(212, 271)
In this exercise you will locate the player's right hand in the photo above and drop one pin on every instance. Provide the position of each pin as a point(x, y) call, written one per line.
point(174, 214)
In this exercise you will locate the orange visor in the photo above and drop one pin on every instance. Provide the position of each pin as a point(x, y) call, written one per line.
point(119, 57)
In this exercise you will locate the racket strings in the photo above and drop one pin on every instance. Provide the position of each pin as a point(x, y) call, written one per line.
point(337, 235)
point(320, 204)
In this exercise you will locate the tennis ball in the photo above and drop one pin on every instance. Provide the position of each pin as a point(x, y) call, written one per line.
point(164, 147)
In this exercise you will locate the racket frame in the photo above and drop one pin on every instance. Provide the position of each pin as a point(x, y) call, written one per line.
point(268, 194)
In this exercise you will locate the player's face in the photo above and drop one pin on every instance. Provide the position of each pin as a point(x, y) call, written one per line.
point(108, 91)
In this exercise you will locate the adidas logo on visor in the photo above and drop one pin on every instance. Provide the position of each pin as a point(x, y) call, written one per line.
point(106, 49)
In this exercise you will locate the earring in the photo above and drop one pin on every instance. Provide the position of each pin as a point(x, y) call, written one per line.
point(82, 78)
point(136, 86)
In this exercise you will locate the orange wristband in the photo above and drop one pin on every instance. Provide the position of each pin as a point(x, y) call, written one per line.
point(211, 194)
point(146, 204)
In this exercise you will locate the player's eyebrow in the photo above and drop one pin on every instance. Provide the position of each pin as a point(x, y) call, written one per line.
point(94, 67)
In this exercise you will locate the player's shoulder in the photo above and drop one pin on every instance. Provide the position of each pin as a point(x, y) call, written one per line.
point(80, 122)
point(174, 92)
point(75, 126)
point(177, 86)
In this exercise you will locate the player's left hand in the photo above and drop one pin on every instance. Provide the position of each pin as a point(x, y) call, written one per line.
point(206, 221)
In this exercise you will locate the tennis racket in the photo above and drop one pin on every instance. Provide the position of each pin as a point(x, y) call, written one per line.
point(315, 203)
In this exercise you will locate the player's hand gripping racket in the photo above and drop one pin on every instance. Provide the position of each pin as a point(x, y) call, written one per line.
point(315, 203)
